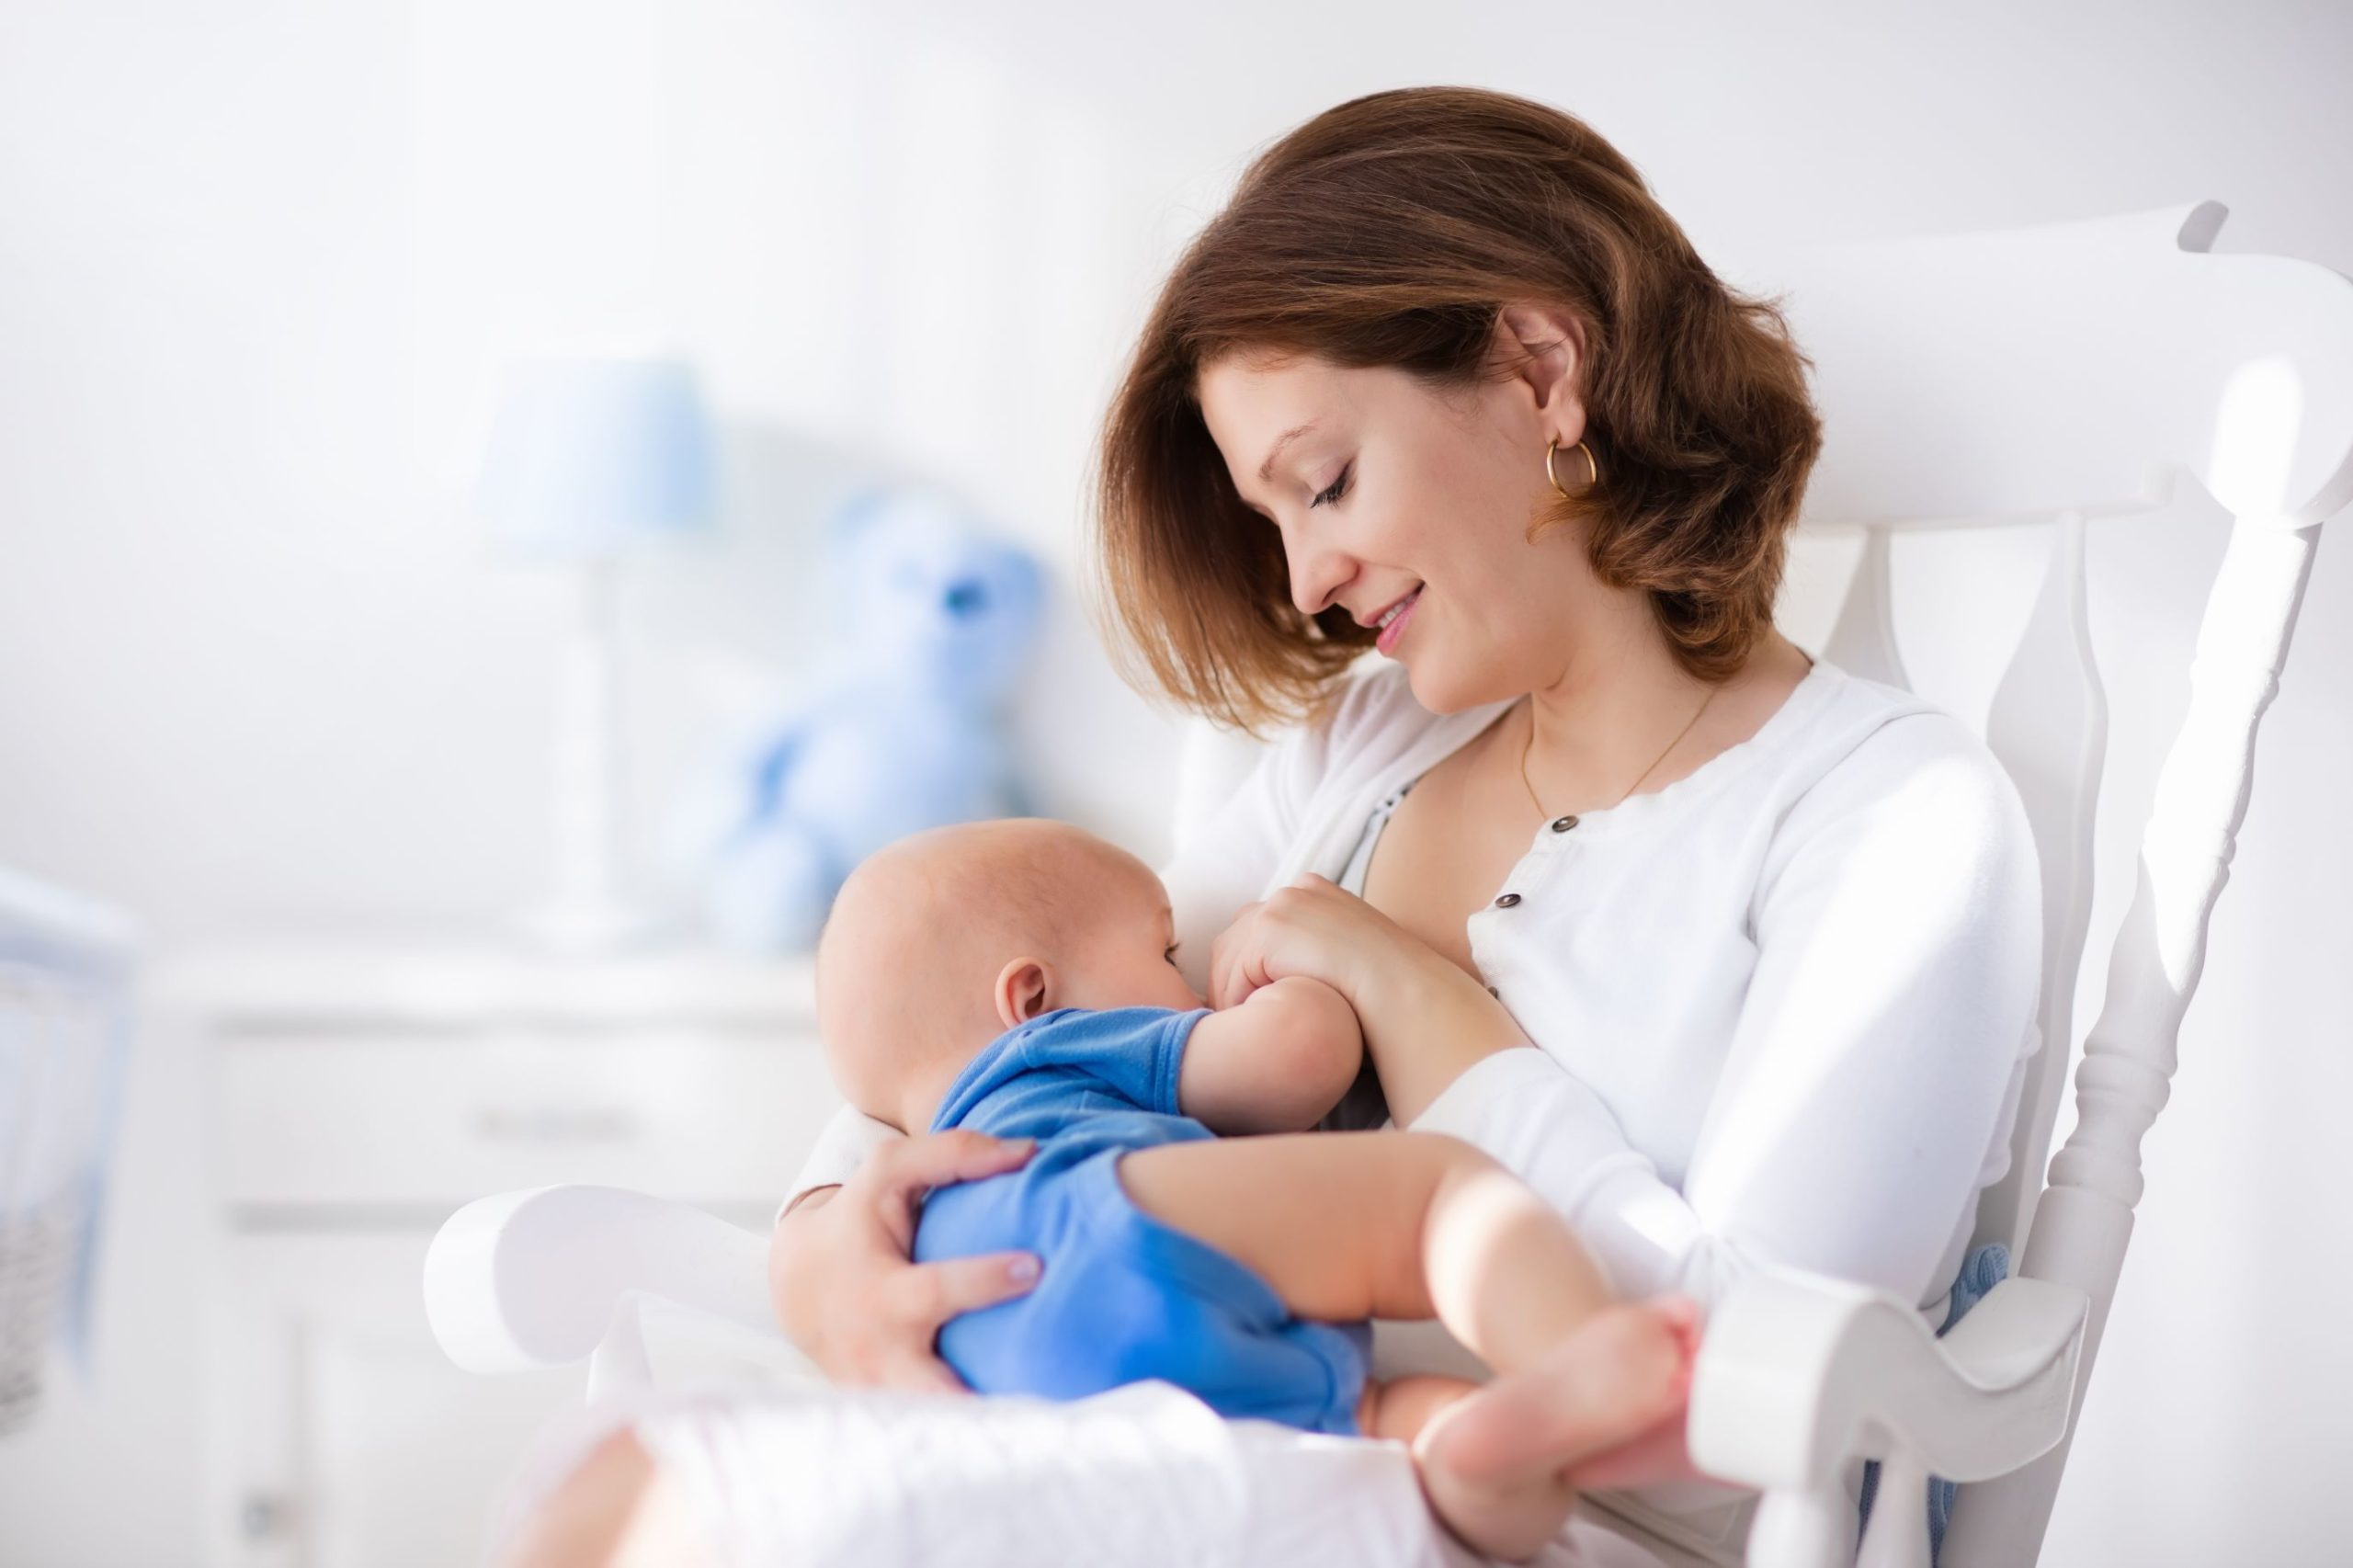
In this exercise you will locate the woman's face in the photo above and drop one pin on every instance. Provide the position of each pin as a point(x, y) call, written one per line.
point(1394, 491)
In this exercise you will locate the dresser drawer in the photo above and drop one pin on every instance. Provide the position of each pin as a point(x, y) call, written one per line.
point(430, 1119)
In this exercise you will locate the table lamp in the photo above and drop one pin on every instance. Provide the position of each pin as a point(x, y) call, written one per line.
point(590, 459)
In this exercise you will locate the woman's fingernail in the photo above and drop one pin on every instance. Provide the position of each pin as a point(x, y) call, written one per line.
point(1022, 1271)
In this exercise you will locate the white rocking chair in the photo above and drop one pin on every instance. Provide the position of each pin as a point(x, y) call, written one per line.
point(2055, 374)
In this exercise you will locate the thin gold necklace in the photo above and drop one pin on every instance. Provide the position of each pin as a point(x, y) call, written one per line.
point(1530, 742)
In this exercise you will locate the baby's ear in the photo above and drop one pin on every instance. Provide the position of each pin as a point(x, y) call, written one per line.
point(1025, 988)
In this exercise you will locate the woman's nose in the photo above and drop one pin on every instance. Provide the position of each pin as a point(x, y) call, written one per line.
point(1317, 574)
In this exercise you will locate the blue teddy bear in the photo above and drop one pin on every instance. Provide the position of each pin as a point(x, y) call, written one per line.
point(934, 620)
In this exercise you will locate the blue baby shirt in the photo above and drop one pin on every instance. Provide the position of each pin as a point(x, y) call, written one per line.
point(1122, 1297)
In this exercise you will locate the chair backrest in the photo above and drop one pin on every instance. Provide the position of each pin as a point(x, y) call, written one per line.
point(2055, 374)
point(2068, 371)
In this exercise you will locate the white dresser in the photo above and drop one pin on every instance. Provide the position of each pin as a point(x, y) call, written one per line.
point(358, 1096)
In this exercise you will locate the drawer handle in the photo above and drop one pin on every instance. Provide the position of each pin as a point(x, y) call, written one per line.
point(556, 1124)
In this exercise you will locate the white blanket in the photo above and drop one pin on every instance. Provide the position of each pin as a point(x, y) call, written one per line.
point(1142, 1476)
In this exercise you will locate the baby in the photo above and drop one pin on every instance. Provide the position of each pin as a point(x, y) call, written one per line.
point(1017, 976)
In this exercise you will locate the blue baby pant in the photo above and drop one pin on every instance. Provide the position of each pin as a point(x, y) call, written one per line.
point(1122, 1297)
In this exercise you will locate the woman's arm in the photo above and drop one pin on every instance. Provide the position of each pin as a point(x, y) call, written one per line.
point(839, 1276)
point(1424, 1022)
point(849, 1137)
point(1879, 1048)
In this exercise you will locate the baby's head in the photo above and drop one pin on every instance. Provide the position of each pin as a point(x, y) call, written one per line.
point(942, 940)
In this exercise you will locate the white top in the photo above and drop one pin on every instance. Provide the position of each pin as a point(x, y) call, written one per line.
point(1782, 1006)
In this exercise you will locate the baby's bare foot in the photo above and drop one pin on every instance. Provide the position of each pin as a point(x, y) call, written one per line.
point(1500, 1522)
point(1510, 1520)
point(1492, 1463)
point(1620, 1374)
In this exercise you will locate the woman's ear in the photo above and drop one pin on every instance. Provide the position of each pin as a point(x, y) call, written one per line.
point(1546, 347)
point(1025, 988)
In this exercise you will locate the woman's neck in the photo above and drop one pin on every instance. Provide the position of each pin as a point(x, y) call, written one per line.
point(1622, 708)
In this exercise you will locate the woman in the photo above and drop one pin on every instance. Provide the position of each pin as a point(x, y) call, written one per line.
point(1730, 954)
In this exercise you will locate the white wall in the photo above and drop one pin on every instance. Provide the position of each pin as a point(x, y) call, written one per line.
point(256, 667)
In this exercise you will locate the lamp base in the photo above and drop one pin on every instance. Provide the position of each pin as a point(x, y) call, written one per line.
point(586, 912)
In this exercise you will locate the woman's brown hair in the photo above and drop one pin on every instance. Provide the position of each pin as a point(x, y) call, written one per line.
point(1390, 230)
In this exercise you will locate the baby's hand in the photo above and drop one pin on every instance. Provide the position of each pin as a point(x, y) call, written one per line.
point(1311, 1003)
point(1275, 1062)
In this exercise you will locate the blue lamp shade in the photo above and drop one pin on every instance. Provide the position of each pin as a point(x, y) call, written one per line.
point(591, 456)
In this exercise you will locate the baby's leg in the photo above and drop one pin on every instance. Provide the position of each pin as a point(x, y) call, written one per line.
point(1519, 1424)
point(1400, 1408)
point(1409, 1225)
point(1383, 1224)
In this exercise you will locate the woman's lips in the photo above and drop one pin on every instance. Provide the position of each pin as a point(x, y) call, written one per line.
point(1390, 634)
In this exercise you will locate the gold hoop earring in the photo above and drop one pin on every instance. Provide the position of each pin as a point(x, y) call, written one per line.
point(1592, 468)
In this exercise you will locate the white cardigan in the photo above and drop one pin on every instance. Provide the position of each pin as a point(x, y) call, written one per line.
point(1782, 1005)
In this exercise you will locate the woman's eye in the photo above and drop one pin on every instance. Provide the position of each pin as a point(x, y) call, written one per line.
point(1171, 954)
point(1339, 488)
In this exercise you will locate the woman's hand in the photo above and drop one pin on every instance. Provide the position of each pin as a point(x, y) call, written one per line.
point(838, 1272)
point(1425, 1021)
point(1314, 928)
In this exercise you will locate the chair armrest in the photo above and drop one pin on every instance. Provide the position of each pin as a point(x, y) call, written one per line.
point(1798, 1375)
point(539, 1278)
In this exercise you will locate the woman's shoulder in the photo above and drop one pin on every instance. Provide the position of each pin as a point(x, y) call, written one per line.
point(1874, 741)
point(1274, 784)
point(1904, 835)
point(1881, 766)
